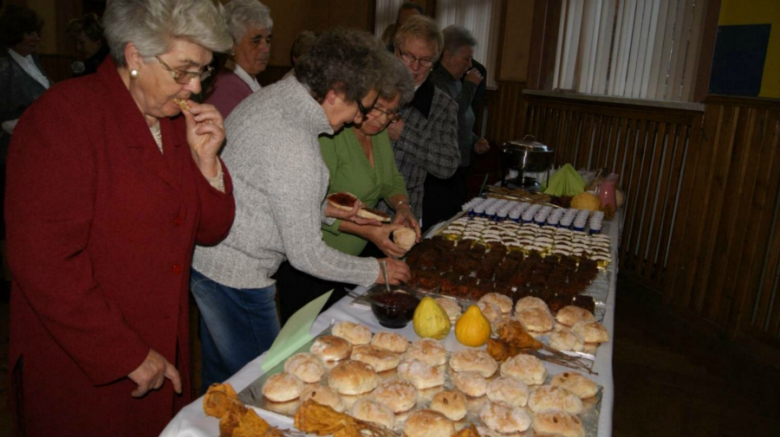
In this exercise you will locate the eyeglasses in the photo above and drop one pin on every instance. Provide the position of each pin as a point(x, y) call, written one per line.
point(410, 59)
point(363, 110)
point(183, 77)
point(392, 115)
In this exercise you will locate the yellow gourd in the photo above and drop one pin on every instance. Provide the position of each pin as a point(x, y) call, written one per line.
point(430, 320)
point(586, 201)
point(472, 328)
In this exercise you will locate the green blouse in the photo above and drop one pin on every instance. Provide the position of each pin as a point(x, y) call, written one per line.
point(350, 171)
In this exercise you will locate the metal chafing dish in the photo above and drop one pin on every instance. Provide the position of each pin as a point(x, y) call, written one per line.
point(524, 156)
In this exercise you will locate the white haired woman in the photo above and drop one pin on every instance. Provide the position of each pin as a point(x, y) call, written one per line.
point(250, 24)
point(281, 182)
point(104, 207)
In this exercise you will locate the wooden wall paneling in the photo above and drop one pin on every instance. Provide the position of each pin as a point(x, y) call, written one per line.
point(640, 262)
point(770, 286)
point(665, 203)
point(718, 189)
point(746, 245)
point(634, 170)
point(621, 140)
point(766, 195)
point(724, 262)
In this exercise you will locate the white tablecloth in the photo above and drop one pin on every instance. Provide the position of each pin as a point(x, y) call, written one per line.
point(191, 421)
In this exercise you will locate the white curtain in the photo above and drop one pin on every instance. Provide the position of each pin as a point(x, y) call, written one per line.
point(386, 13)
point(482, 18)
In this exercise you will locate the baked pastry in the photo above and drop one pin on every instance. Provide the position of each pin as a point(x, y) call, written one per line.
point(548, 397)
point(354, 333)
point(182, 104)
point(529, 302)
point(284, 408)
point(282, 387)
point(470, 383)
point(427, 350)
point(507, 389)
point(580, 385)
point(331, 348)
point(526, 368)
point(397, 394)
point(451, 307)
point(504, 303)
point(450, 403)
point(569, 315)
point(566, 340)
point(405, 238)
point(353, 378)
point(559, 423)
point(323, 395)
point(307, 367)
point(474, 360)
point(380, 360)
point(390, 341)
point(374, 412)
point(490, 310)
point(421, 374)
point(504, 418)
point(536, 320)
point(591, 332)
point(428, 423)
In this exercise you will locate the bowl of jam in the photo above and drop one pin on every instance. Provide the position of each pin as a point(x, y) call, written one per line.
point(394, 309)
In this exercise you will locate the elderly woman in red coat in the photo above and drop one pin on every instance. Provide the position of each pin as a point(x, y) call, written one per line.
point(112, 179)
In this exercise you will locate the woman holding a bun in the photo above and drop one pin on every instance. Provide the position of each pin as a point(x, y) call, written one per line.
point(361, 162)
point(280, 186)
point(104, 206)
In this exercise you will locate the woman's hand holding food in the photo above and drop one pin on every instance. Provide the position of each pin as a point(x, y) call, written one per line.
point(205, 135)
point(380, 236)
point(405, 216)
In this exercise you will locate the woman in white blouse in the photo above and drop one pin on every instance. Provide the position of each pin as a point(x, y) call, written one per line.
point(21, 77)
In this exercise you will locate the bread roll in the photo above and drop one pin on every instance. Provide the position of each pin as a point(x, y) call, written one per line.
point(397, 394)
point(526, 368)
point(567, 340)
point(390, 341)
point(354, 333)
point(307, 367)
point(420, 374)
point(428, 423)
point(529, 302)
point(427, 350)
point(331, 348)
point(451, 307)
point(569, 315)
point(580, 385)
point(380, 360)
point(559, 423)
point(371, 411)
point(405, 238)
point(323, 395)
point(504, 303)
point(536, 320)
point(353, 378)
point(450, 403)
point(282, 387)
point(592, 332)
point(474, 360)
point(548, 397)
point(510, 390)
point(470, 383)
point(504, 418)
point(490, 310)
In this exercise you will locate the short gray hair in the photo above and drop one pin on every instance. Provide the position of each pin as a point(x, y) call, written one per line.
point(240, 15)
point(456, 37)
point(396, 81)
point(423, 28)
point(152, 25)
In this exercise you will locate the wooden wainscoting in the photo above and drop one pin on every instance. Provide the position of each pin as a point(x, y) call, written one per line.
point(723, 266)
point(646, 145)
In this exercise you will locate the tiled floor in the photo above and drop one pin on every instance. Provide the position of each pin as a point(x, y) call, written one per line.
point(669, 379)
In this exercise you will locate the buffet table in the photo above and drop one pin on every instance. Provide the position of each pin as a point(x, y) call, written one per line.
point(191, 421)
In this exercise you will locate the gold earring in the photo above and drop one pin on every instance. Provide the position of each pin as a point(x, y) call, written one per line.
point(134, 73)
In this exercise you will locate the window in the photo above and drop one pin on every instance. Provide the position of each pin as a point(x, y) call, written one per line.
point(646, 49)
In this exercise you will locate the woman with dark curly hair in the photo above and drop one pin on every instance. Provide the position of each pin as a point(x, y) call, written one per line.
point(280, 182)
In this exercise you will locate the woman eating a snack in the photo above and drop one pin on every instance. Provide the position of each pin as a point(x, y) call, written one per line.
point(280, 186)
point(104, 207)
point(361, 162)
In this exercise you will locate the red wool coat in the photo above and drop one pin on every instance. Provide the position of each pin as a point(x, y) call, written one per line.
point(101, 230)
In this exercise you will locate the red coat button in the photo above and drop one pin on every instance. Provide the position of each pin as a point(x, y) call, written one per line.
point(178, 221)
point(176, 268)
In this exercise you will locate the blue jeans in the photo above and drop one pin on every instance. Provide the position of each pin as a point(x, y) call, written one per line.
point(236, 326)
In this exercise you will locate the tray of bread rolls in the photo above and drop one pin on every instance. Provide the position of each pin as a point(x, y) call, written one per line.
point(421, 388)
